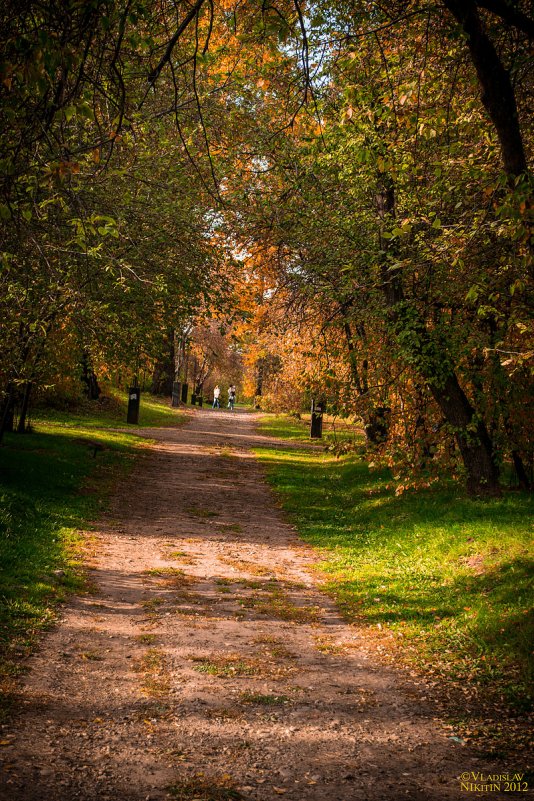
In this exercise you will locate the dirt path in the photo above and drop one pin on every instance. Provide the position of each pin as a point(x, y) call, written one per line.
point(206, 660)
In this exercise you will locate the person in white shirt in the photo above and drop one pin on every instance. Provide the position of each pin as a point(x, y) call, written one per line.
point(216, 396)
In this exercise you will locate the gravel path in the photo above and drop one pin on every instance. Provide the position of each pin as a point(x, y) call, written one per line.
point(207, 665)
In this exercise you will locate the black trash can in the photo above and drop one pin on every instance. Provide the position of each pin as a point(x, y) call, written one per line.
point(134, 400)
point(317, 410)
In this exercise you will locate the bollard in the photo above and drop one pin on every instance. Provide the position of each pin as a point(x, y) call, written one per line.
point(176, 393)
point(316, 427)
point(185, 389)
point(134, 400)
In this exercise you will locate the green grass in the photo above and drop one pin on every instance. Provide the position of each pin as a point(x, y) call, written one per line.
point(52, 482)
point(336, 432)
point(449, 576)
point(110, 412)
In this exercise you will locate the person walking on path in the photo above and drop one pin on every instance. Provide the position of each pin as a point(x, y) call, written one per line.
point(216, 396)
point(231, 397)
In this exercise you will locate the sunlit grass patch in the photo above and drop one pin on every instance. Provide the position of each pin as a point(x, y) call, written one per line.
point(336, 432)
point(111, 410)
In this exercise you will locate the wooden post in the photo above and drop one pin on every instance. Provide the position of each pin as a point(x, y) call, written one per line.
point(134, 400)
point(316, 426)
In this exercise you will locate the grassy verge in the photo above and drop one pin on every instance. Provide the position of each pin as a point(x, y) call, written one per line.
point(110, 412)
point(443, 581)
point(52, 482)
point(335, 431)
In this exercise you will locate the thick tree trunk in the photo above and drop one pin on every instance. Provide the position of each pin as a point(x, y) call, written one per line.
point(471, 435)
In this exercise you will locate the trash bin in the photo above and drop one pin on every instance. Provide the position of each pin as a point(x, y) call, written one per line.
point(134, 400)
point(317, 410)
point(176, 393)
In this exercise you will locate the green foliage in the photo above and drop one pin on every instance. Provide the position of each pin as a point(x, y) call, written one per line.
point(451, 577)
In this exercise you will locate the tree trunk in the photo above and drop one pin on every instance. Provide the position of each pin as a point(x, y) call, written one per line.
point(21, 427)
point(164, 371)
point(6, 412)
point(354, 372)
point(376, 419)
point(259, 377)
point(471, 435)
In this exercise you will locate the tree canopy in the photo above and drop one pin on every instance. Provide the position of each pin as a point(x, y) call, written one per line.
point(336, 195)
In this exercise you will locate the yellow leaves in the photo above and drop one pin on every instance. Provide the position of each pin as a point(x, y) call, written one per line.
point(68, 168)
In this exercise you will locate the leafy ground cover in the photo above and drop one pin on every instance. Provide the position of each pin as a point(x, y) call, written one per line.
point(443, 581)
point(52, 483)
